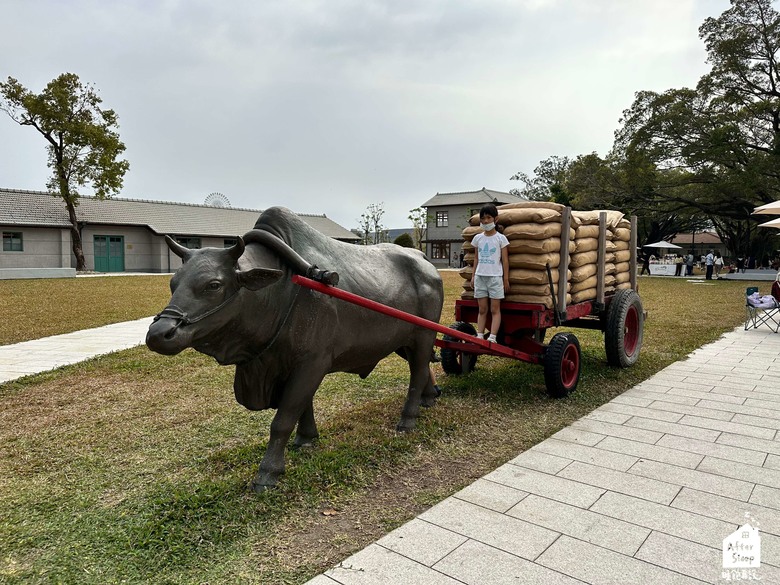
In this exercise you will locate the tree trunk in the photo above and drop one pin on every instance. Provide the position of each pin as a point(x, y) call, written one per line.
point(75, 237)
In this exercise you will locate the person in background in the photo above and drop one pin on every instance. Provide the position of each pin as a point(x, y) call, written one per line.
point(678, 264)
point(709, 264)
point(740, 264)
point(689, 264)
point(718, 264)
point(645, 258)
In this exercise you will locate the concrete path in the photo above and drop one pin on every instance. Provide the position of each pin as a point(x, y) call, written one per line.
point(41, 355)
point(643, 490)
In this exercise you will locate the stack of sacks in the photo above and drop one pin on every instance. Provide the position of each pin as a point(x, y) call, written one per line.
point(533, 229)
point(583, 263)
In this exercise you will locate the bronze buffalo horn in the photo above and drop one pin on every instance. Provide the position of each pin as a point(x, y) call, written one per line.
point(238, 249)
point(178, 249)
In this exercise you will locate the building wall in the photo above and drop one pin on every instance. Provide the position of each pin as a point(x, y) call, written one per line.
point(42, 248)
point(457, 219)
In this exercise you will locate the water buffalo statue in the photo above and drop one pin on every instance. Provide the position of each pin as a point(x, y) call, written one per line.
point(239, 306)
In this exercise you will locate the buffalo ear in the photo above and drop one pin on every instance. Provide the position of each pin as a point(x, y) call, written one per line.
point(258, 278)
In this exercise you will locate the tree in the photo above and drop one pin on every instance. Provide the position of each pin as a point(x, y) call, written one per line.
point(82, 140)
point(548, 182)
point(717, 147)
point(419, 218)
point(404, 240)
point(370, 223)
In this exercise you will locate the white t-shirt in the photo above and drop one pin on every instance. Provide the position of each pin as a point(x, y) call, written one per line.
point(489, 249)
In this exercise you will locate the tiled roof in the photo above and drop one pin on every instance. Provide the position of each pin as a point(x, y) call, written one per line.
point(698, 238)
point(472, 197)
point(37, 208)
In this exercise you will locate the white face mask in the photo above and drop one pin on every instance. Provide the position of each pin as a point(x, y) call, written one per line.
point(487, 226)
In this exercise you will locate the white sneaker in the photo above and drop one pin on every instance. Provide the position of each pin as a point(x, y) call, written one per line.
point(492, 339)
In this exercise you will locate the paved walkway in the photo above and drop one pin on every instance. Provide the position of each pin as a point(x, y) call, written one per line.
point(41, 355)
point(642, 490)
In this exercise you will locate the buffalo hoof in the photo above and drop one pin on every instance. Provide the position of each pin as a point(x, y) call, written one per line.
point(263, 482)
point(303, 443)
point(428, 401)
point(405, 426)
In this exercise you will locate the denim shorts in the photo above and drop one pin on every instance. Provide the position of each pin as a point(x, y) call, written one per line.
point(488, 286)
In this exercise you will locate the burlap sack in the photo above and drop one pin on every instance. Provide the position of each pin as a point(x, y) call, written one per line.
point(471, 231)
point(534, 299)
point(622, 267)
point(624, 223)
point(609, 268)
point(540, 290)
point(527, 215)
point(623, 256)
point(610, 281)
point(622, 234)
point(583, 258)
point(609, 257)
point(466, 272)
point(587, 231)
point(585, 244)
point(537, 246)
point(532, 231)
point(622, 277)
point(534, 261)
point(468, 259)
point(592, 217)
point(589, 282)
point(538, 204)
point(623, 285)
point(620, 245)
point(584, 295)
point(467, 247)
point(528, 276)
point(583, 272)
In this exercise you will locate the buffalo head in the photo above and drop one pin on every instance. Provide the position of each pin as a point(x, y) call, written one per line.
point(204, 300)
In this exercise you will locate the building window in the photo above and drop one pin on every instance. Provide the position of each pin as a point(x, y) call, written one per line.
point(440, 251)
point(12, 242)
point(191, 243)
point(229, 242)
point(441, 219)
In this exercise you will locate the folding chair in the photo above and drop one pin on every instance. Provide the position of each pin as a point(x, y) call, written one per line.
point(763, 310)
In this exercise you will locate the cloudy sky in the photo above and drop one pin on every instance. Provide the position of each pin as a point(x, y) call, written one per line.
point(327, 106)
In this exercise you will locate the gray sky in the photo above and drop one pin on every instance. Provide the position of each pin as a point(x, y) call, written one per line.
point(328, 106)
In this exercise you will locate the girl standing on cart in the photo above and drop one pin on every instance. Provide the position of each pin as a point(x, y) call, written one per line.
point(490, 278)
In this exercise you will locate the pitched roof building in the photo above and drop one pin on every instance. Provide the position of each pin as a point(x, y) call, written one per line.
point(121, 234)
point(448, 214)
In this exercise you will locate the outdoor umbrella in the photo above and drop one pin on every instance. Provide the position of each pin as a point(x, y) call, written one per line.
point(662, 244)
point(768, 209)
point(775, 223)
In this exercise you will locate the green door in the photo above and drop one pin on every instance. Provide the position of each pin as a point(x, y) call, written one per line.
point(109, 253)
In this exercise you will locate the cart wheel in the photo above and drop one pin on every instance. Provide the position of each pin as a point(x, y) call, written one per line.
point(458, 362)
point(624, 330)
point(562, 365)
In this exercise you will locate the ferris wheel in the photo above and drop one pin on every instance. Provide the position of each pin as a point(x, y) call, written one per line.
point(216, 200)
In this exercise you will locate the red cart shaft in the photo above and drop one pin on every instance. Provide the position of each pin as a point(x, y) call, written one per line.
point(492, 348)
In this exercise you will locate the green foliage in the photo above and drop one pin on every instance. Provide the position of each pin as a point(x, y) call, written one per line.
point(420, 219)
point(717, 146)
point(404, 240)
point(82, 139)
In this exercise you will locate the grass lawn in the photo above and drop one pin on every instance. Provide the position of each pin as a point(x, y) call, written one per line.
point(37, 308)
point(135, 467)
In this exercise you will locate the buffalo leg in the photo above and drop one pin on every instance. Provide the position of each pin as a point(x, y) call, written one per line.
point(296, 398)
point(419, 379)
point(306, 433)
